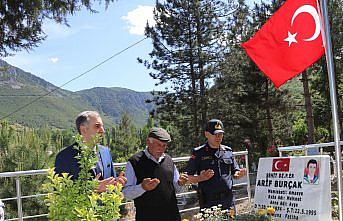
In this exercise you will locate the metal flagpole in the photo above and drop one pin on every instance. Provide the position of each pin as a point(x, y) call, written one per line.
point(333, 98)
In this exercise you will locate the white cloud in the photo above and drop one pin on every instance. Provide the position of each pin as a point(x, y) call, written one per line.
point(54, 59)
point(138, 18)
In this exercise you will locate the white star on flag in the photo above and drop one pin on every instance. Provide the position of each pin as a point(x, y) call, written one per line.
point(291, 38)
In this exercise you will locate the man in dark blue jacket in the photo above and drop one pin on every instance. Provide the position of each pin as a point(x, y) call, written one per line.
point(213, 167)
point(89, 124)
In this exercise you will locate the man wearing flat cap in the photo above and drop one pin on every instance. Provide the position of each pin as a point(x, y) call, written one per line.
point(152, 180)
point(213, 166)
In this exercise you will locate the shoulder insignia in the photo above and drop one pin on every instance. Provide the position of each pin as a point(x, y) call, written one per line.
point(198, 148)
point(226, 147)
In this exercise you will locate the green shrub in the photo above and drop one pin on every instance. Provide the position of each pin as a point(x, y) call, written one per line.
point(77, 200)
point(334, 204)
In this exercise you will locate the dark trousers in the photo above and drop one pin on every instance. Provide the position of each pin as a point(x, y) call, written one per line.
point(226, 199)
point(157, 213)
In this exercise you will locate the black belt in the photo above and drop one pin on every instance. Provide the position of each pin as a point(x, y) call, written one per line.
point(217, 196)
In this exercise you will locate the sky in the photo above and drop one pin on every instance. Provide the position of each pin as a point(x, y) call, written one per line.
point(91, 38)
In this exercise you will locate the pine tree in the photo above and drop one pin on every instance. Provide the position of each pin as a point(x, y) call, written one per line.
point(123, 139)
point(320, 82)
point(186, 54)
point(248, 103)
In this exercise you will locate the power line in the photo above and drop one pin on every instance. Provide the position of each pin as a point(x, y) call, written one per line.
point(73, 79)
point(21, 95)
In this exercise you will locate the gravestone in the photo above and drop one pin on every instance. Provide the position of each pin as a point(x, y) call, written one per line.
point(298, 188)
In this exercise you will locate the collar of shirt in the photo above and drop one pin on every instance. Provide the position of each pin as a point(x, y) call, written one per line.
point(221, 147)
point(95, 150)
point(149, 156)
point(220, 152)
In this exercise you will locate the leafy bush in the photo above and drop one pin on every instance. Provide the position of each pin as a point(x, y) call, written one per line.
point(334, 204)
point(78, 200)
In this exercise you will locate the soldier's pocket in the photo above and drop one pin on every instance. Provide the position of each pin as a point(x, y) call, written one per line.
point(225, 165)
point(208, 164)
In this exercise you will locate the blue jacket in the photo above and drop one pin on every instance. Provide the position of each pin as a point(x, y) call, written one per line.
point(221, 161)
point(66, 162)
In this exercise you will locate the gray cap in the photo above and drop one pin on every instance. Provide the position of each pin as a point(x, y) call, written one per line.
point(159, 134)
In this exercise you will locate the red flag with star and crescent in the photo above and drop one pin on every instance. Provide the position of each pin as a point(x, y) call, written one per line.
point(289, 42)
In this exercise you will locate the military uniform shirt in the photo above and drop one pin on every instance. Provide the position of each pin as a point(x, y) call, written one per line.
point(221, 161)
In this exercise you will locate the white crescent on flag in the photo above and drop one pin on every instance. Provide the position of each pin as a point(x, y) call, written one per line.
point(313, 12)
point(276, 165)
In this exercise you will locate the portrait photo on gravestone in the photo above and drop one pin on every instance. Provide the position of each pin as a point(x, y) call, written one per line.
point(311, 172)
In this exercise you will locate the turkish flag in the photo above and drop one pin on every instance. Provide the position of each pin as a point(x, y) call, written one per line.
point(281, 165)
point(289, 42)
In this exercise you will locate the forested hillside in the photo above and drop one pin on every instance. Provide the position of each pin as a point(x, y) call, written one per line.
point(58, 109)
point(113, 102)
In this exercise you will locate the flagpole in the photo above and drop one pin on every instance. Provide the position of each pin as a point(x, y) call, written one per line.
point(333, 98)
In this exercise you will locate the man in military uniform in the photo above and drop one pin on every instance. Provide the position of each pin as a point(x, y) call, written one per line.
point(213, 167)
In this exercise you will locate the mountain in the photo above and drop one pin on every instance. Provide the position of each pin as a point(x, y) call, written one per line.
point(115, 101)
point(59, 108)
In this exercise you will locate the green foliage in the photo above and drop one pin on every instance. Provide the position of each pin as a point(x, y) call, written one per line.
point(242, 97)
point(124, 139)
point(334, 205)
point(23, 148)
point(322, 134)
point(300, 131)
point(115, 102)
point(78, 200)
point(296, 153)
point(320, 82)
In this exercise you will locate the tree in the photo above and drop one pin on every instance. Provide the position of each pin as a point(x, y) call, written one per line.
point(21, 21)
point(249, 105)
point(227, 92)
point(320, 82)
point(186, 53)
point(124, 139)
point(23, 148)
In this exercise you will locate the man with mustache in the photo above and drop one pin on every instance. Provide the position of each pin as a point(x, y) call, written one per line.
point(152, 180)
